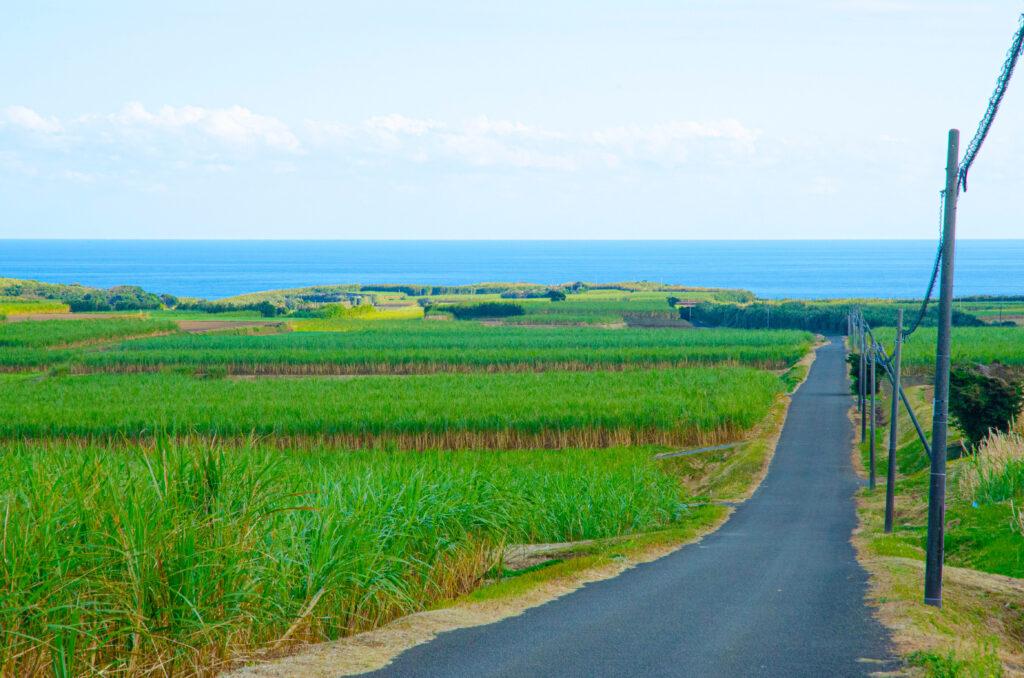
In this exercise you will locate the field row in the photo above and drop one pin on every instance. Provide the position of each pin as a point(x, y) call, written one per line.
point(544, 409)
point(389, 347)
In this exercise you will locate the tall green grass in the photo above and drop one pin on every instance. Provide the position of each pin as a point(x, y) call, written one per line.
point(545, 409)
point(176, 559)
point(43, 333)
point(969, 345)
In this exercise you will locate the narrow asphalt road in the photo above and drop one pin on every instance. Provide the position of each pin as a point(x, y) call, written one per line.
point(775, 592)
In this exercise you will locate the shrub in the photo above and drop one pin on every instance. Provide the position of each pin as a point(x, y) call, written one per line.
point(556, 295)
point(485, 310)
point(853, 360)
point(980, 403)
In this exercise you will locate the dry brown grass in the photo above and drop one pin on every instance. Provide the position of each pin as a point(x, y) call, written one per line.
point(402, 369)
point(498, 439)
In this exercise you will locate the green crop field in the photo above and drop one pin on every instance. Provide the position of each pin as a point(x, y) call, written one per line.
point(21, 306)
point(430, 346)
point(171, 559)
point(983, 345)
point(442, 410)
point(36, 334)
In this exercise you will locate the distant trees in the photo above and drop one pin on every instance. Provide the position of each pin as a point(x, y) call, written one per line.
point(816, 316)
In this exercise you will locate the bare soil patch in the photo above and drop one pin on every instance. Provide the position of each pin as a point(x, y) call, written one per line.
point(200, 326)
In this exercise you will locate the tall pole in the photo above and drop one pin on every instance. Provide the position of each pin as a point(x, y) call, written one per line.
point(937, 480)
point(871, 415)
point(861, 378)
point(894, 411)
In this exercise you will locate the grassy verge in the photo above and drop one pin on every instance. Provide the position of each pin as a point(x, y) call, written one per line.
point(980, 629)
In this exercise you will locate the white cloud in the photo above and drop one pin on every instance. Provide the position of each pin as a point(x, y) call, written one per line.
point(26, 118)
point(395, 124)
point(236, 126)
point(183, 139)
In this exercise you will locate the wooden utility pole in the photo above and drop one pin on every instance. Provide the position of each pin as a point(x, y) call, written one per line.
point(937, 479)
point(894, 411)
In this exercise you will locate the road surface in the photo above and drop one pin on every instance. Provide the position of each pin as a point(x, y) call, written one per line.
point(775, 592)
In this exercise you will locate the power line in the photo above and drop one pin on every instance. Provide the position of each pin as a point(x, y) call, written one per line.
point(993, 105)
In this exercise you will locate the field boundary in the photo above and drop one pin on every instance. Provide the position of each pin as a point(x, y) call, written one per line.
point(270, 371)
point(502, 439)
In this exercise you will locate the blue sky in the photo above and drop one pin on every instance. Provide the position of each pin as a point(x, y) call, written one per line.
point(685, 119)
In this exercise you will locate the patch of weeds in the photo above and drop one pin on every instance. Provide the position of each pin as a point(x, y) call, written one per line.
point(893, 545)
point(503, 573)
point(984, 663)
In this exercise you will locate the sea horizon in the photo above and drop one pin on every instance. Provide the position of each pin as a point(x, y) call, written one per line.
point(804, 268)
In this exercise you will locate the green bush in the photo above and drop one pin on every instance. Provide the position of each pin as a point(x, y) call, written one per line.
point(485, 310)
point(980, 403)
point(556, 295)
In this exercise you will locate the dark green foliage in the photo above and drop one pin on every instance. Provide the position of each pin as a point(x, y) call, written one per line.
point(265, 308)
point(81, 298)
point(824, 317)
point(853, 360)
point(980, 403)
point(555, 295)
point(672, 301)
point(486, 310)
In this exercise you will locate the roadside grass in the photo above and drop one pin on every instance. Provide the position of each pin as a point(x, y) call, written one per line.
point(980, 629)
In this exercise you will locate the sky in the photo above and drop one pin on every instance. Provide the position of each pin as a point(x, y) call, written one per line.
point(379, 119)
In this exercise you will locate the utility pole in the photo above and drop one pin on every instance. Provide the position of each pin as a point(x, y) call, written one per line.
point(937, 480)
point(861, 378)
point(871, 475)
point(894, 411)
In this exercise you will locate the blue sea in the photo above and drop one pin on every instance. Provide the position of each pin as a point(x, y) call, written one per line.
point(773, 269)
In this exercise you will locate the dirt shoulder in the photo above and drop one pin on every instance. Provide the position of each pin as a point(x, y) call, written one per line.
point(979, 631)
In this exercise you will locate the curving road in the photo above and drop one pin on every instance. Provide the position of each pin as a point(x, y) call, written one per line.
point(775, 592)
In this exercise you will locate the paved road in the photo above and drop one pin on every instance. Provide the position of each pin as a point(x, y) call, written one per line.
point(775, 592)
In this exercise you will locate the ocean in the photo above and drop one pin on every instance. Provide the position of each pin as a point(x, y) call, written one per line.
point(773, 269)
